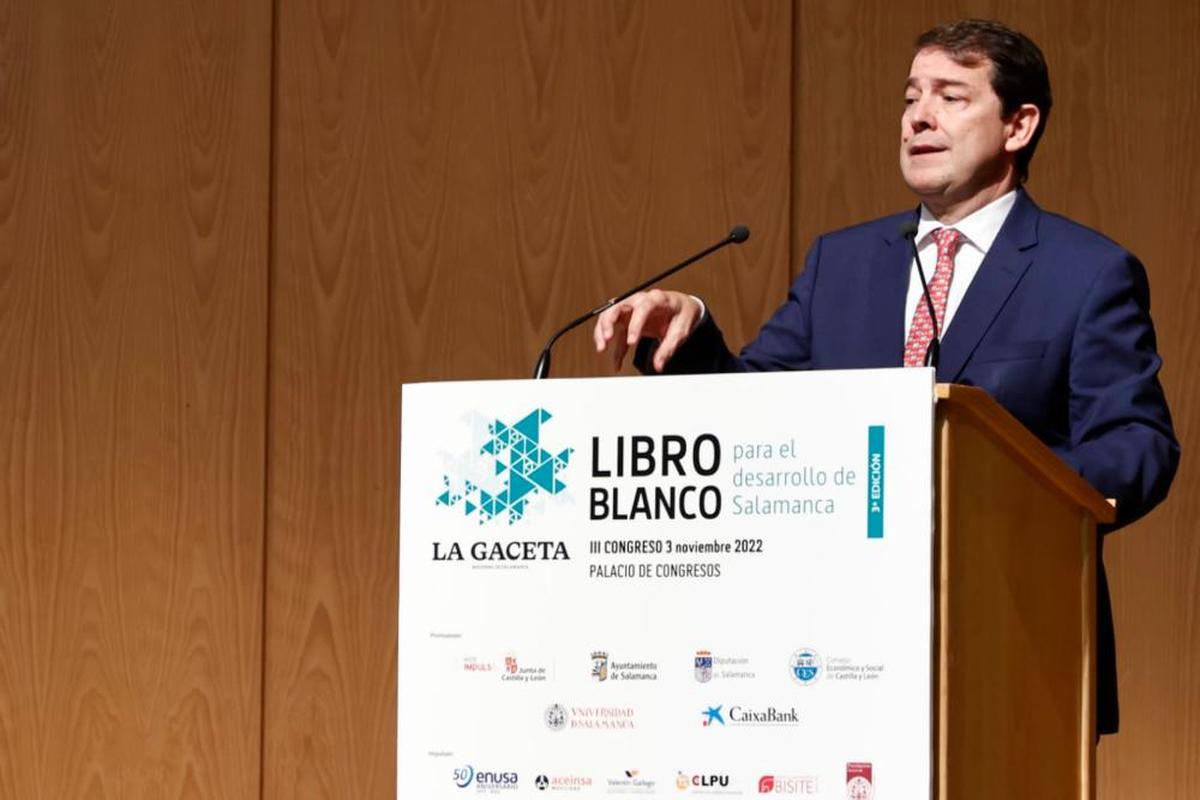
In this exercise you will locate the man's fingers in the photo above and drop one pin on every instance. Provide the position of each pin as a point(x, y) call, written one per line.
point(649, 306)
point(602, 331)
point(663, 315)
point(677, 331)
point(609, 323)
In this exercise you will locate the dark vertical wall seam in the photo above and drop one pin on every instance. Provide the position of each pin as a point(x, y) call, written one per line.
point(272, 166)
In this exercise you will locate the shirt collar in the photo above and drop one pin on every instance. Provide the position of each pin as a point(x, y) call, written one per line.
point(980, 227)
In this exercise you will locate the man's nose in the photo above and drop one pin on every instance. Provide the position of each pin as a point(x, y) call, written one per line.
point(920, 115)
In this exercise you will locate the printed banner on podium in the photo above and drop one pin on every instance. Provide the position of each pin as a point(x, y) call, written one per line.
point(704, 585)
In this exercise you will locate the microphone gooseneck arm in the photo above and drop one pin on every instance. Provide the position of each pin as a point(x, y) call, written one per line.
point(739, 234)
point(933, 352)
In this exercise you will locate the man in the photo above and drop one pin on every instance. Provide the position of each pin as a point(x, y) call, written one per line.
point(1049, 317)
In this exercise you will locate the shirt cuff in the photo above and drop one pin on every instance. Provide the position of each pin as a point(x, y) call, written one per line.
point(703, 312)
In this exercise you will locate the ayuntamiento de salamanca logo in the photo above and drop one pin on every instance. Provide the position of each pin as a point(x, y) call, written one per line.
point(524, 468)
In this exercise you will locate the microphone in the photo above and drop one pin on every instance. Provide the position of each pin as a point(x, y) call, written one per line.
point(739, 234)
point(909, 231)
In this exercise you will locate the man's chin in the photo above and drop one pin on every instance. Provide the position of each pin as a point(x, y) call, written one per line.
point(926, 186)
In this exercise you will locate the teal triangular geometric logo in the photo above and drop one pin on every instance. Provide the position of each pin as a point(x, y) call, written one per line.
point(527, 470)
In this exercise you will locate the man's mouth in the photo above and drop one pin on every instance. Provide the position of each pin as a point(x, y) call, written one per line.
point(924, 149)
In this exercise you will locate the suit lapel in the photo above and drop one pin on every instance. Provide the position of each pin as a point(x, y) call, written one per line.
point(886, 294)
point(1005, 263)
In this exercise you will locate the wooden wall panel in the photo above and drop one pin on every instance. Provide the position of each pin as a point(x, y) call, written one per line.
point(1120, 155)
point(133, 221)
point(454, 181)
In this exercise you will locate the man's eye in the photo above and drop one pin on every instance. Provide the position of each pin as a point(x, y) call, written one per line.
point(908, 101)
point(951, 98)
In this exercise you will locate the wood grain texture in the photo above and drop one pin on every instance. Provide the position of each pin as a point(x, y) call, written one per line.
point(133, 210)
point(454, 181)
point(1119, 155)
point(1016, 597)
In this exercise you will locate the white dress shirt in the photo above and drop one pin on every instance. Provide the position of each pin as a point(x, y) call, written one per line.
point(979, 230)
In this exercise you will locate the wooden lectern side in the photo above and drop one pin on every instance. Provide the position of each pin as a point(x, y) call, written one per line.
point(1014, 610)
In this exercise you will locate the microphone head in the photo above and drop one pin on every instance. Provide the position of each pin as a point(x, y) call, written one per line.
point(739, 234)
point(908, 230)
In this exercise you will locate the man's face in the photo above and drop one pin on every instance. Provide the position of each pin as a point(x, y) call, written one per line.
point(952, 136)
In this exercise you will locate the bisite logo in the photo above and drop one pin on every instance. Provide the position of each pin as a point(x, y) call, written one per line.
point(788, 784)
point(463, 776)
point(704, 666)
point(600, 665)
point(805, 666)
point(556, 717)
point(541, 782)
point(712, 714)
point(517, 469)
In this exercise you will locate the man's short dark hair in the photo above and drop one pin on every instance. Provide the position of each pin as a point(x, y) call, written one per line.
point(1019, 73)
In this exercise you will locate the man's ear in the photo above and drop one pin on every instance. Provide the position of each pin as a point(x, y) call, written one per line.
point(1020, 127)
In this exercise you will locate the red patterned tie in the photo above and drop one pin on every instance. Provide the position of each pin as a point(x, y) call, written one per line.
point(920, 333)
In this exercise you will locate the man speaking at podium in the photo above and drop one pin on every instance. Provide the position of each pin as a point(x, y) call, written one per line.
point(1049, 317)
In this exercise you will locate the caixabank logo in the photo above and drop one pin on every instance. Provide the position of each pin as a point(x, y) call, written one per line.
point(740, 716)
point(516, 469)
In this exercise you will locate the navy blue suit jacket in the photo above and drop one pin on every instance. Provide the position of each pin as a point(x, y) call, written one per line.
point(1055, 326)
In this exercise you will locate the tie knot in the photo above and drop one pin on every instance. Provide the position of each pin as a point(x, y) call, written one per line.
point(947, 241)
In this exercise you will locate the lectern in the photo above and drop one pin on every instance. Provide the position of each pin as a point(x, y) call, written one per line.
point(836, 584)
point(1015, 619)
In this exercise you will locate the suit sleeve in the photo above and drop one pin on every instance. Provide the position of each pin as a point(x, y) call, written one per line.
point(783, 343)
point(1122, 439)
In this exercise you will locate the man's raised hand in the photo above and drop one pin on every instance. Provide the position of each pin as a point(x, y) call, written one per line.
point(663, 315)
